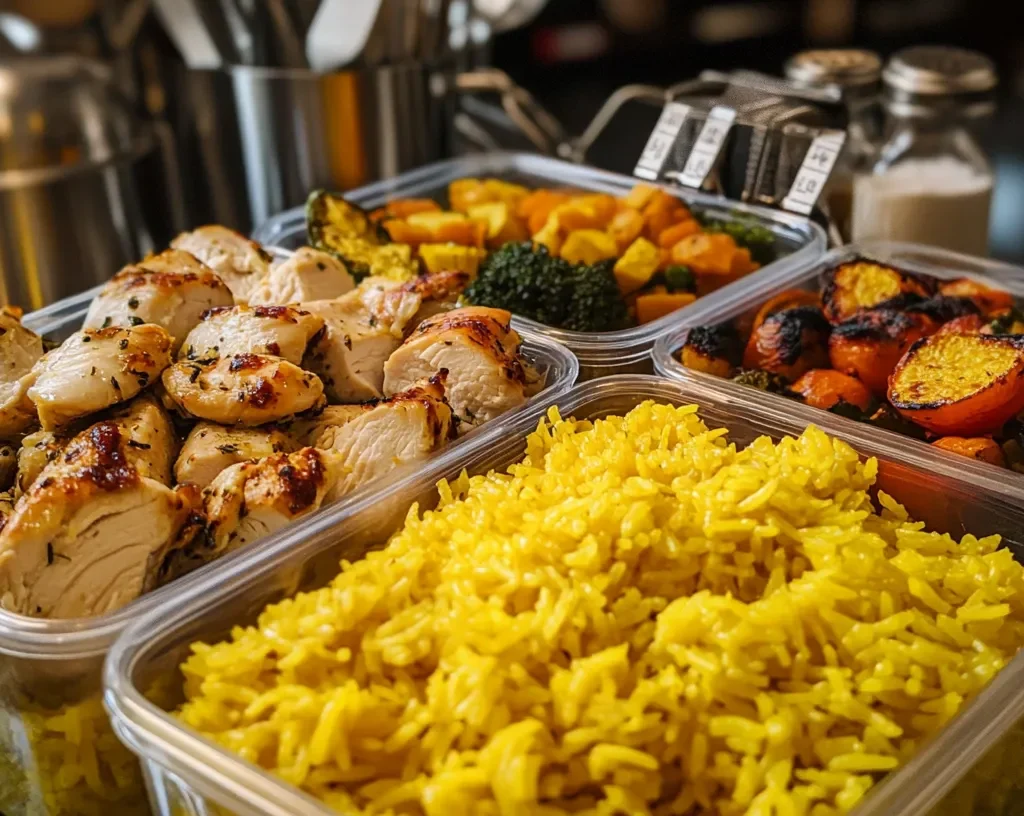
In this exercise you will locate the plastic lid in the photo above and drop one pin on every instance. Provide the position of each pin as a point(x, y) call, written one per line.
point(846, 67)
point(938, 70)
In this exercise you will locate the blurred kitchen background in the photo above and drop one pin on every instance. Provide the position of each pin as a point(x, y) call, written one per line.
point(123, 121)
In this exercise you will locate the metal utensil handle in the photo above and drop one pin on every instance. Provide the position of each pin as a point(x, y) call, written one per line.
point(543, 130)
point(576, 150)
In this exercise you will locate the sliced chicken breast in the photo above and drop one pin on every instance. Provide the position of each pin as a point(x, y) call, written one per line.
point(308, 275)
point(171, 289)
point(96, 368)
point(316, 431)
point(372, 440)
point(20, 350)
point(280, 331)
point(480, 351)
point(239, 262)
point(151, 444)
point(212, 448)
point(242, 389)
point(36, 452)
point(90, 535)
point(250, 500)
point(349, 355)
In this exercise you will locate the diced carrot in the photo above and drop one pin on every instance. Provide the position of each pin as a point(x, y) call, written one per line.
point(967, 324)
point(677, 232)
point(540, 201)
point(575, 215)
point(537, 221)
point(404, 207)
point(789, 343)
point(826, 388)
point(988, 299)
point(981, 448)
point(650, 307)
point(403, 232)
point(625, 227)
point(960, 384)
point(785, 300)
point(660, 219)
point(715, 350)
point(710, 256)
point(465, 233)
point(869, 345)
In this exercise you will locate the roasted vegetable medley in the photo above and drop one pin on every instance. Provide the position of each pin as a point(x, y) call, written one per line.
point(937, 360)
point(571, 260)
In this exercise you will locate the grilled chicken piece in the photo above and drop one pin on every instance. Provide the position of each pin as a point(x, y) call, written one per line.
point(242, 389)
point(20, 350)
point(96, 368)
point(36, 452)
point(239, 262)
point(308, 275)
point(250, 500)
point(372, 440)
point(150, 442)
point(349, 356)
point(280, 331)
point(171, 289)
point(212, 448)
point(90, 535)
point(480, 351)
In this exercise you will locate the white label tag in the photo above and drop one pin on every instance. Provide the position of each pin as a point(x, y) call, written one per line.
point(660, 142)
point(814, 172)
point(707, 147)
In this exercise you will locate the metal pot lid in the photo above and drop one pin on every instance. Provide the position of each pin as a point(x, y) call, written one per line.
point(938, 70)
point(846, 67)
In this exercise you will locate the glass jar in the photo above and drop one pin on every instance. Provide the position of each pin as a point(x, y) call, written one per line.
point(857, 73)
point(931, 182)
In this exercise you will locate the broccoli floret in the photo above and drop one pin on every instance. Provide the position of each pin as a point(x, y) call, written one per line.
point(764, 381)
point(680, 279)
point(596, 303)
point(524, 279)
point(758, 239)
point(529, 282)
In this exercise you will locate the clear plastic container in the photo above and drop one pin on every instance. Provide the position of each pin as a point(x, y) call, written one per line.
point(57, 753)
point(600, 353)
point(191, 774)
point(938, 263)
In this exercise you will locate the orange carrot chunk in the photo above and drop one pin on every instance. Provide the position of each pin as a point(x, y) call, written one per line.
point(981, 448)
point(860, 285)
point(789, 343)
point(988, 299)
point(825, 388)
point(869, 345)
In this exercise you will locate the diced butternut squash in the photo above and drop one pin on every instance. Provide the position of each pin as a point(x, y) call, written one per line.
point(650, 307)
point(640, 196)
point(505, 191)
point(637, 266)
point(826, 388)
point(575, 215)
point(600, 205)
point(981, 448)
point(588, 246)
point(710, 256)
point(677, 232)
point(550, 236)
point(856, 286)
point(402, 232)
point(502, 224)
point(540, 202)
point(789, 343)
point(625, 227)
point(870, 344)
point(451, 258)
point(466, 193)
point(435, 220)
point(960, 384)
point(404, 207)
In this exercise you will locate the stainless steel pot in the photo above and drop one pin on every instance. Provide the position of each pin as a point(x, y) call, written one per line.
point(265, 137)
point(71, 213)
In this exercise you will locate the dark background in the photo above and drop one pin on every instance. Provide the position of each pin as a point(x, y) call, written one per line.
point(576, 52)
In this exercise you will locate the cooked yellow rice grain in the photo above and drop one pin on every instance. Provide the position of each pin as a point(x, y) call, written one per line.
point(638, 618)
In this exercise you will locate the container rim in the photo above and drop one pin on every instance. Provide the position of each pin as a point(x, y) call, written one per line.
point(916, 257)
point(154, 735)
point(77, 638)
point(625, 345)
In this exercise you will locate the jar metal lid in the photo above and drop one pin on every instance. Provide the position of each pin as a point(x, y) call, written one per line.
point(935, 70)
point(846, 67)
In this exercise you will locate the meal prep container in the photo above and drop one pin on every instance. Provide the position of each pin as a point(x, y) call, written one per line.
point(600, 353)
point(57, 752)
point(722, 307)
point(189, 774)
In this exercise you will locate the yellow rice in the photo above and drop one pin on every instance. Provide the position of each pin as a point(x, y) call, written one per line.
point(636, 619)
